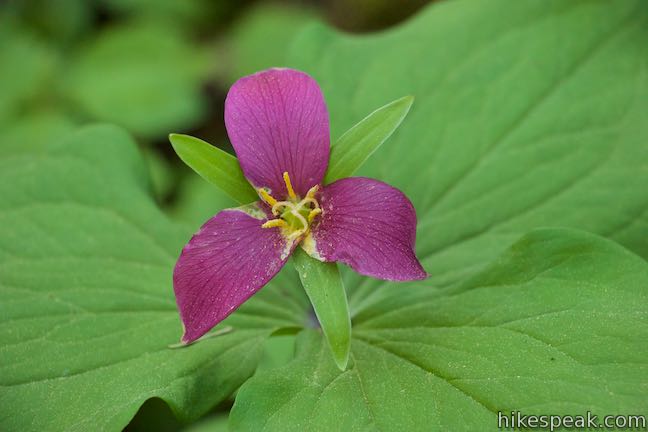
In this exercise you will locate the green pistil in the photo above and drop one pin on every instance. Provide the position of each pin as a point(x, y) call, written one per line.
point(293, 221)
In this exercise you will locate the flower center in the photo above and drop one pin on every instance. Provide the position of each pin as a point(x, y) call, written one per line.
point(294, 215)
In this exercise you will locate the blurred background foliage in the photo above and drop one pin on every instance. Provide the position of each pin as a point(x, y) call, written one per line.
point(154, 67)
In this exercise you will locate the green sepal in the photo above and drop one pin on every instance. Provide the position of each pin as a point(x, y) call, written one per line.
point(355, 146)
point(325, 289)
point(214, 165)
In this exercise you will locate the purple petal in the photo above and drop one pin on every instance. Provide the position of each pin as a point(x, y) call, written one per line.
point(277, 122)
point(368, 225)
point(230, 258)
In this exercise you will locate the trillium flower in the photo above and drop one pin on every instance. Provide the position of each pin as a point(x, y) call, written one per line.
point(278, 124)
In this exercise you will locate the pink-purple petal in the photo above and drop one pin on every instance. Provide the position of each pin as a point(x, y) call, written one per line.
point(277, 122)
point(229, 259)
point(369, 226)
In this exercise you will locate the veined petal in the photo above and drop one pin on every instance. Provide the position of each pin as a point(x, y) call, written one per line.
point(230, 258)
point(369, 226)
point(278, 122)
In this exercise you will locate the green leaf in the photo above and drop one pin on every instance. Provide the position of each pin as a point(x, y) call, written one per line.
point(512, 128)
point(31, 133)
point(355, 146)
point(214, 165)
point(154, 414)
point(556, 325)
point(324, 287)
point(216, 423)
point(145, 77)
point(87, 311)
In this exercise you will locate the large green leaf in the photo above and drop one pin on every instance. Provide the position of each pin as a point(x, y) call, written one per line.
point(557, 325)
point(534, 117)
point(28, 133)
point(87, 312)
point(527, 113)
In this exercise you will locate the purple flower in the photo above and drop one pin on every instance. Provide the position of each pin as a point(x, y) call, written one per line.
point(278, 124)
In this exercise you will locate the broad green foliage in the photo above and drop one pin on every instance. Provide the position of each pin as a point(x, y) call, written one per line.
point(31, 133)
point(355, 146)
point(214, 165)
point(557, 325)
point(536, 116)
point(210, 424)
point(324, 287)
point(144, 77)
point(527, 114)
point(87, 310)
point(539, 119)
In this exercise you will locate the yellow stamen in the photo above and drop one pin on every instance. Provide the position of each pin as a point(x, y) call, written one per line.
point(274, 223)
point(310, 200)
point(312, 191)
point(278, 205)
point(289, 188)
point(265, 196)
point(294, 215)
point(313, 213)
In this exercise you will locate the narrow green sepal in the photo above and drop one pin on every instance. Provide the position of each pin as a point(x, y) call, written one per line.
point(214, 165)
point(323, 285)
point(355, 146)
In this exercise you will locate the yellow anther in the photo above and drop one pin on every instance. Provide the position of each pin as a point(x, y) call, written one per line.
point(311, 201)
point(289, 188)
point(313, 213)
point(265, 196)
point(312, 191)
point(279, 205)
point(294, 216)
point(274, 223)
